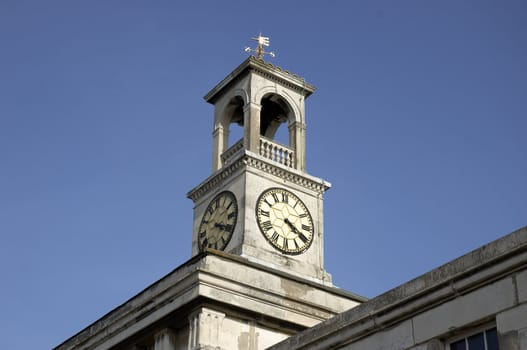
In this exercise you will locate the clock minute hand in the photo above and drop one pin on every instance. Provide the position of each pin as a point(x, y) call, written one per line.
point(291, 226)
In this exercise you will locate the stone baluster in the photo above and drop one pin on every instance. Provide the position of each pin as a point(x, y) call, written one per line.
point(277, 153)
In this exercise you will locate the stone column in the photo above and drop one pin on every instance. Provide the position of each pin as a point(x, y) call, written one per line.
point(205, 329)
point(220, 142)
point(297, 140)
point(251, 122)
point(165, 340)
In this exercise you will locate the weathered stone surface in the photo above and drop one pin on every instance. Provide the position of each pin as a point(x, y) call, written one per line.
point(165, 340)
point(225, 280)
point(472, 288)
point(469, 308)
point(434, 344)
point(396, 338)
point(420, 347)
point(522, 335)
point(512, 320)
point(253, 175)
point(521, 286)
point(509, 340)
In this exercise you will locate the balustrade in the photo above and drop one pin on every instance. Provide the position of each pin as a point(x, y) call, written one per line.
point(268, 148)
point(225, 156)
point(277, 152)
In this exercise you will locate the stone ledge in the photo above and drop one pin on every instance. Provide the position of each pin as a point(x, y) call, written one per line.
point(249, 159)
point(265, 69)
point(498, 259)
point(216, 276)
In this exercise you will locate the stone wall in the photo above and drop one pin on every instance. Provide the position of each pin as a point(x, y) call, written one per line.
point(483, 289)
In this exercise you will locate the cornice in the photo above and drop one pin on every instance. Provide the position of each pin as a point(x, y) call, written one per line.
point(181, 287)
point(281, 76)
point(486, 265)
point(247, 159)
point(266, 70)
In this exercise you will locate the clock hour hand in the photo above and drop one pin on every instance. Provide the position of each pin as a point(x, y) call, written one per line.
point(223, 227)
point(220, 226)
point(291, 226)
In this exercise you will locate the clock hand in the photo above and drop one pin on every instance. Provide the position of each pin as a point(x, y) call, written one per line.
point(220, 226)
point(291, 226)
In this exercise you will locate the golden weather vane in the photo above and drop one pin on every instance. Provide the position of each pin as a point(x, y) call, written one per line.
point(260, 52)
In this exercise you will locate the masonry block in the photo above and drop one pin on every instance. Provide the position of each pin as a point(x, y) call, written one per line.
point(396, 338)
point(512, 320)
point(521, 285)
point(464, 310)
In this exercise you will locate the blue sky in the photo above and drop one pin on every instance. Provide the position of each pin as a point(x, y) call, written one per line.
point(419, 121)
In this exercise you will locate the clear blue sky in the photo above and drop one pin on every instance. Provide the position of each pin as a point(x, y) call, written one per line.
point(419, 122)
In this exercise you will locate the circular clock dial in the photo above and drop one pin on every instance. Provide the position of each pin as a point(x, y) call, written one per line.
point(218, 222)
point(284, 221)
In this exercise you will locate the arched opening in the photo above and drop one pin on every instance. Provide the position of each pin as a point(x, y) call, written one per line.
point(274, 117)
point(277, 141)
point(234, 118)
point(274, 134)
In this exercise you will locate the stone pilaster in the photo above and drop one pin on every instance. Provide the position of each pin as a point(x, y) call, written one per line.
point(165, 340)
point(205, 329)
point(220, 139)
point(512, 328)
point(251, 121)
point(249, 340)
point(297, 141)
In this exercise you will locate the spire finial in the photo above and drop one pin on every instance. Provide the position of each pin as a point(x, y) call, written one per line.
point(260, 52)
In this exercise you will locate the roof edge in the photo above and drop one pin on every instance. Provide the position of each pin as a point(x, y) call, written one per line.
point(254, 64)
point(467, 271)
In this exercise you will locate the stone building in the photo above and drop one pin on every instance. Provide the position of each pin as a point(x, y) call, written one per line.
point(256, 278)
point(478, 301)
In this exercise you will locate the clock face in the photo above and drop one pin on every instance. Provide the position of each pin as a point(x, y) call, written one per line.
point(284, 221)
point(218, 222)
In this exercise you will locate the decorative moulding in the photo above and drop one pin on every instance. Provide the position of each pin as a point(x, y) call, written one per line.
point(244, 158)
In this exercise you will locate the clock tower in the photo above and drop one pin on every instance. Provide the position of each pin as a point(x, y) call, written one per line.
point(259, 202)
point(256, 275)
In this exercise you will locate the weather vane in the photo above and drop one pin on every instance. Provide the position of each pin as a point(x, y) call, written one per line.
point(260, 52)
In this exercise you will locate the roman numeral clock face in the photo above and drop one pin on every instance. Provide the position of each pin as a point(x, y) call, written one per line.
point(218, 222)
point(284, 221)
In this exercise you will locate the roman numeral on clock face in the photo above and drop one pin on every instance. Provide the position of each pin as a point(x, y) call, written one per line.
point(267, 225)
point(292, 245)
point(264, 213)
